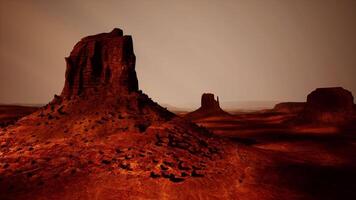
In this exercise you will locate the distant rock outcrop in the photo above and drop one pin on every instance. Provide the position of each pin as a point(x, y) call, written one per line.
point(289, 107)
point(209, 107)
point(328, 105)
point(208, 102)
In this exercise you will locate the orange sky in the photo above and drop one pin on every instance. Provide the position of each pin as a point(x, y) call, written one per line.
point(271, 50)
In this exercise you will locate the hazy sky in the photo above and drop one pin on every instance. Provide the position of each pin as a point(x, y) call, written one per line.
point(277, 50)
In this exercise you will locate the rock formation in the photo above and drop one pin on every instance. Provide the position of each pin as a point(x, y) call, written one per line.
point(289, 107)
point(101, 83)
point(328, 105)
point(208, 102)
point(209, 107)
point(104, 62)
point(101, 127)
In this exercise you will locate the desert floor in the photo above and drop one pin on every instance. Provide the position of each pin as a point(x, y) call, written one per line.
point(273, 159)
point(311, 160)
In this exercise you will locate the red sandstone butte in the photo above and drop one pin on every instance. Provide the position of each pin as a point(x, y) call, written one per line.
point(102, 128)
point(104, 62)
point(328, 105)
point(209, 107)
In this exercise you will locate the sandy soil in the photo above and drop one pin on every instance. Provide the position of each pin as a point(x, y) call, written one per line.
point(307, 161)
point(261, 156)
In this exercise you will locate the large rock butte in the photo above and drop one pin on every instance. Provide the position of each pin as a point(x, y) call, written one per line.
point(103, 62)
point(102, 127)
point(209, 107)
point(208, 102)
point(100, 79)
point(328, 105)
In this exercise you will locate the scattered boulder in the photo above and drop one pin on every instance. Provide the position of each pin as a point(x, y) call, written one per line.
point(197, 173)
point(154, 174)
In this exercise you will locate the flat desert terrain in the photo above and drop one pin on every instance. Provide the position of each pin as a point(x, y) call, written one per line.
point(272, 159)
point(309, 161)
point(11, 113)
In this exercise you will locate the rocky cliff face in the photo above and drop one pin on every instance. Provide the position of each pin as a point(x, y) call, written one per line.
point(209, 107)
point(103, 62)
point(208, 102)
point(328, 105)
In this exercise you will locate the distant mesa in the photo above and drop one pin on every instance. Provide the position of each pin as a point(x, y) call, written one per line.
point(289, 107)
point(333, 105)
point(209, 107)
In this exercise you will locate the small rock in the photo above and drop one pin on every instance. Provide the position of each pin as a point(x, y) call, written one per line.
point(184, 174)
point(176, 179)
point(163, 167)
point(29, 174)
point(169, 163)
point(125, 165)
point(50, 117)
point(165, 174)
point(106, 162)
point(159, 143)
point(183, 166)
point(197, 173)
point(118, 150)
point(154, 175)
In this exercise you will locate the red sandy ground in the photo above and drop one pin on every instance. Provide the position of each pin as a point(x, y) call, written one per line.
point(261, 156)
point(305, 161)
